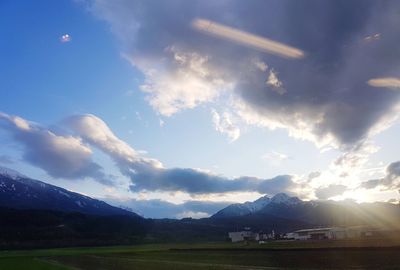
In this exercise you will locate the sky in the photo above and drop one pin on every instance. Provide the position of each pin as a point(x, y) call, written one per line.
point(178, 108)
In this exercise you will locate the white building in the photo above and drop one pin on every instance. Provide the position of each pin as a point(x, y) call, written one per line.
point(334, 233)
point(319, 234)
point(241, 236)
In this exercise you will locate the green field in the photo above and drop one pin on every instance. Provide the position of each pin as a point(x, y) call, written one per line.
point(277, 255)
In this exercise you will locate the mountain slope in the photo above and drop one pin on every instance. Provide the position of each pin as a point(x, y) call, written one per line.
point(20, 192)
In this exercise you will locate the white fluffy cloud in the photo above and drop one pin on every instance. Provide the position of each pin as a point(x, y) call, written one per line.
point(179, 80)
point(61, 156)
point(96, 132)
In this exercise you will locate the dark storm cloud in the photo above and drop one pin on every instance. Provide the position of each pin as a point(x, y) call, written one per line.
point(391, 181)
point(199, 182)
point(61, 156)
point(330, 191)
point(326, 93)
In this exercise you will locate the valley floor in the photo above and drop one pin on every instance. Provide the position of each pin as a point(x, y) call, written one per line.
point(365, 254)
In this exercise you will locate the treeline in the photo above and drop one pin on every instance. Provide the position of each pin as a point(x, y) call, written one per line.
point(46, 228)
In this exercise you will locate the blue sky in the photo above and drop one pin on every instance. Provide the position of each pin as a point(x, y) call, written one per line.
point(145, 107)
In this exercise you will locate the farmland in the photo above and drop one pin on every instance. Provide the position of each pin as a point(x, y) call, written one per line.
point(277, 255)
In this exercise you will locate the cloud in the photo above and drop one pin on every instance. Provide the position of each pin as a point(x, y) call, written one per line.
point(373, 37)
point(199, 182)
point(353, 160)
point(260, 65)
point(391, 181)
point(325, 193)
point(149, 174)
point(275, 158)
point(275, 83)
point(327, 100)
point(181, 80)
point(61, 156)
point(313, 175)
point(385, 82)
point(224, 124)
point(247, 39)
point(192, 214)
point(97, 133)
point(162, 209)
point(4, 159)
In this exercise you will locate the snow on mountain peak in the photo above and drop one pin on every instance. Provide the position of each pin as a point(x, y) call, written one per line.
point(284, 199)
point(240, 209)
point(280, 198)
point(11, 173)
point(261, 202)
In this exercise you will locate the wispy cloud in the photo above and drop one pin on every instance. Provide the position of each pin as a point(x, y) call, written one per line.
point(275, 158)
point(330, 191)
point(224, 124)
point(275, 83)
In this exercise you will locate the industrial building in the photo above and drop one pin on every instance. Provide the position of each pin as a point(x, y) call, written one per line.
point(335, 233)
point(319, 234)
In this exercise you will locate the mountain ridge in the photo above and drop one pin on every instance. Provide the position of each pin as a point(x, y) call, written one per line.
point(241, 209)
point(21, 192)
point(316, 213)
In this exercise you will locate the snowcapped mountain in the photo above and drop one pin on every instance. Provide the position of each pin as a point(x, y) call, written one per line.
point(20, 192)
point(315, 213)
point(242, 209)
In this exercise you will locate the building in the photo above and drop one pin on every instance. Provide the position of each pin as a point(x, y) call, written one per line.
point(319, 234)
point(241, 236)
point(248, 235)
point(336, 233)
point(262, 236)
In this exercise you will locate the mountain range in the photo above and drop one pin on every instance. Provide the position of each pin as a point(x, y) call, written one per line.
point(33, 211)
point(242, 209)
point(315, 213)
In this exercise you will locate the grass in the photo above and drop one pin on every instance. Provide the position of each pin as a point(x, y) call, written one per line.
point(274, 255)
point(30, 263)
